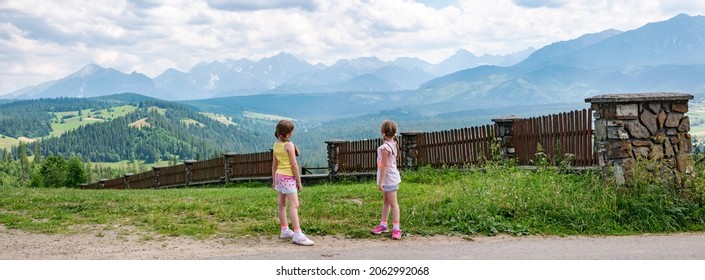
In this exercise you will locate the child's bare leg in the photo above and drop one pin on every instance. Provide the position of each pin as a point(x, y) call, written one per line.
point(282, 210)
point(294, 210)
point(392, 200)
point(385, 208)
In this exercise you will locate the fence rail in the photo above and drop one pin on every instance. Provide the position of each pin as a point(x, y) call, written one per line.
point(557, 134)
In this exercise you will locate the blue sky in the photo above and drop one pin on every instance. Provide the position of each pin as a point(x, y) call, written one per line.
point(46, 40)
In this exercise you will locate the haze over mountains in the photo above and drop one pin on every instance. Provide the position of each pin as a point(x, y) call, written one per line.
point(282, 73)
point(660, 56)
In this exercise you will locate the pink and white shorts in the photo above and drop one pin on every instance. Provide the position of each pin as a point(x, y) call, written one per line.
point(285, 184)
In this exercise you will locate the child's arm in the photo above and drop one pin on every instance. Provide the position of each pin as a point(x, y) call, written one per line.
point(383, 168)
point(291, 150)
point(275, 165)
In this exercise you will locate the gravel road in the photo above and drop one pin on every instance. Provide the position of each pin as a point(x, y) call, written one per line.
point(20, 245)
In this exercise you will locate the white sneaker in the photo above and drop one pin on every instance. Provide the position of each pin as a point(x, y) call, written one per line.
point(286, 233)
point(301, 239)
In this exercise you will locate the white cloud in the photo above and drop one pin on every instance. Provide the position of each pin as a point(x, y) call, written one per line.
point(45, 40)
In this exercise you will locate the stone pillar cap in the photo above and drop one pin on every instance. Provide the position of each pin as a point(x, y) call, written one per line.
point(157, 167)
point(639, 97)
point(509, 118)
point(335, 141)
point(103, 180)
point(230, 154)
point(413, 132)
point(190, 161)
point(129, 174)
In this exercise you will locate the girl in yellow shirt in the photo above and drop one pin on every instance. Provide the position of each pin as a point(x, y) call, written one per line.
point(286, 180)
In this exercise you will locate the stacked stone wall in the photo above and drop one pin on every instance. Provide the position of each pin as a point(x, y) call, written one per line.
point(647, 129)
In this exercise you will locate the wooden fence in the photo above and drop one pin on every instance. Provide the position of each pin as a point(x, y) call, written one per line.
point(231, 167)
point(558, 134)
point(172, 176)
point(456, 147)
point(142, 181)
point(361, 156)
point(252, 165)
point(212, 170)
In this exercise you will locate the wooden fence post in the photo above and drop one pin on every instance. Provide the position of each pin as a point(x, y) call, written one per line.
point(228, 166)
point(505, 136)
point(188, 166)
point(156, 170)
point(334, 157)
point(409, 149)
point(127, 179)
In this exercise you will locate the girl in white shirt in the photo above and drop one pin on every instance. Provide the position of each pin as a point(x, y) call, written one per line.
point(388, 179)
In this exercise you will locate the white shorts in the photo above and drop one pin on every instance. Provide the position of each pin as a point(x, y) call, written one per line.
point(285, 184)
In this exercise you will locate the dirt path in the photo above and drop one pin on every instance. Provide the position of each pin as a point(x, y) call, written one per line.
point(19, 245)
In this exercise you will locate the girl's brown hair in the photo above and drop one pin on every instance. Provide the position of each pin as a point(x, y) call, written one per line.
point(284, 127)
point(389, 129)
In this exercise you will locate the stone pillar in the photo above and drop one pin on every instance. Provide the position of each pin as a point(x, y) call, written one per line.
point(229, 166)
point(505, 136)
point(333, 157)
point(127, 179)
point(157, 171)
point(188, 166)
point(101, 183)
point(645, 128)
point(409, 149)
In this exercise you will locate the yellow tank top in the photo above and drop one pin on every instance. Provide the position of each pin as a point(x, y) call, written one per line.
point(284, 163)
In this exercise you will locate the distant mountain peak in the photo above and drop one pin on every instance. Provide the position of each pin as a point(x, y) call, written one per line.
point(463, 52)
point(87, 71)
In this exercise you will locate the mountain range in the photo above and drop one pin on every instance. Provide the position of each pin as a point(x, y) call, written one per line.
point(282, 73)
point(659, 56)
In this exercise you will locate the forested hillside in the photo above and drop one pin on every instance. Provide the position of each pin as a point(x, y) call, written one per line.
point(156, 130)
point(32, 118)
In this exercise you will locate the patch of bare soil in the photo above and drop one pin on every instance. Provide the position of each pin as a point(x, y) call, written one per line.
point(113, 244)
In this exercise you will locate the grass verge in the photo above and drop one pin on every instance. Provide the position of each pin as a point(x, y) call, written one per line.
point(448, 201)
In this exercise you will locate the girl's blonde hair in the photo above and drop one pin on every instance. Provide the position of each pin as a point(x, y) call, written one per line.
point(389, 129)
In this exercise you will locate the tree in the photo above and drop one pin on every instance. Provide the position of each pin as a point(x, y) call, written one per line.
point(37, 154)
point(75, 173)
point(22, 154)
point(53, 170)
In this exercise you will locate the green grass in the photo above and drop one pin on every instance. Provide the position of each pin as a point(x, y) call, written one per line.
point(696, 113)
point(188, 121)
point(219, 118)
point(498, 200)
point(161, 111)
point(261, 116)
point(6, 142)
point(87, 117)
point(119, 111)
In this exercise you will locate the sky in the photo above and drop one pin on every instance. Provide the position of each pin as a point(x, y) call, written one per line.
point(48, 40)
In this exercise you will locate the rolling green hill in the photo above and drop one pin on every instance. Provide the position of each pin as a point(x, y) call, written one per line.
point(126, 127)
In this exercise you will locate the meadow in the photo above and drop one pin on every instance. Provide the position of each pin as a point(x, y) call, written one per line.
point(490, 201)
